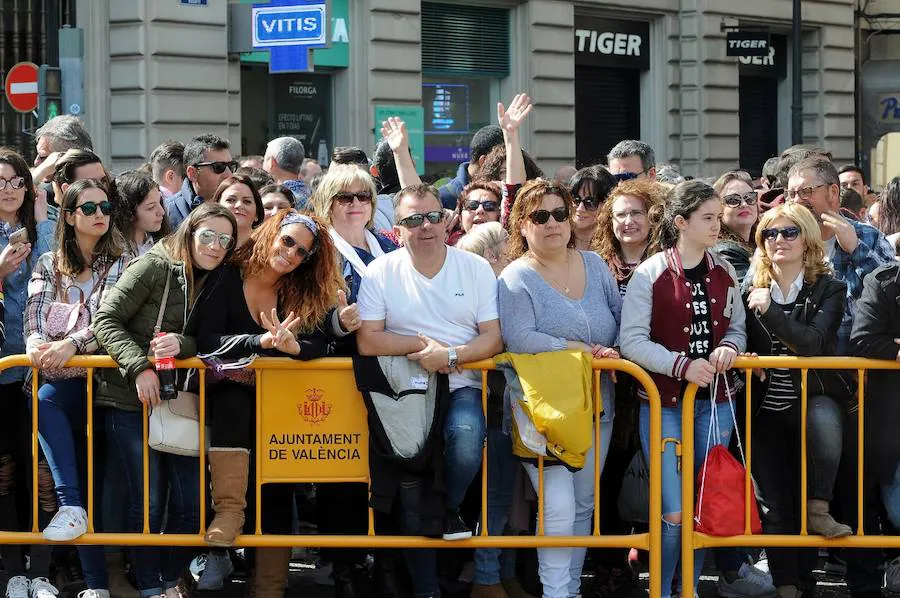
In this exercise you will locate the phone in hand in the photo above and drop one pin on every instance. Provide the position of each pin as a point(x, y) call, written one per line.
point(20, 236)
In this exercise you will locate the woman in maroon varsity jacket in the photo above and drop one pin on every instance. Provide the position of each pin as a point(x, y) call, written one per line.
point(683, 321)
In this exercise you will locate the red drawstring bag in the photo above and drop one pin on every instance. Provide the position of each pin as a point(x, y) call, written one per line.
point(720, 500)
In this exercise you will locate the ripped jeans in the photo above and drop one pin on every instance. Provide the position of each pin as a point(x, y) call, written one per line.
point(671, 476)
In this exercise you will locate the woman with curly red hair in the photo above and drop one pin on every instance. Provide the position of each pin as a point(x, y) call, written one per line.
point(274, 298)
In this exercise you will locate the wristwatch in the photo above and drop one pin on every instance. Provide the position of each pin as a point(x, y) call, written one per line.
point(452, 360)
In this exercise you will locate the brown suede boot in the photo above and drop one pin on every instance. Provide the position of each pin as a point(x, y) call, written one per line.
point(228, 472)
point(488, 591)
point(272, 567)
point(119, 586)
point(819, 520)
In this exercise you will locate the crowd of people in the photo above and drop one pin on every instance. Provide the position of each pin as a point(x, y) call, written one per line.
point(199, 254)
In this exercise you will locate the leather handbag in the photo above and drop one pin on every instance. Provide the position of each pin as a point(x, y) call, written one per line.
point(175, 424)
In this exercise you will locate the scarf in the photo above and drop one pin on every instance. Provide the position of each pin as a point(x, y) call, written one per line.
point(349, 253)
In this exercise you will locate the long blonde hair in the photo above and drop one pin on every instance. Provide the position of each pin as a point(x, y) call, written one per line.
point(814, 263)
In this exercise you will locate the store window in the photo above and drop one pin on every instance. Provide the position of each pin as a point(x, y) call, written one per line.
point(460, 80)
point(758, 110)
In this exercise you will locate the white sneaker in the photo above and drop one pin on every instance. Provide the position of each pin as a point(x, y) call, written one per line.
point(750, 583)
point(68, 523)
point(42, 588)
point(17, 587)
point(93, 594)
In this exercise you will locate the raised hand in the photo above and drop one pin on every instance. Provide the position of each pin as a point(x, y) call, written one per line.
point(511, 118)
point(394, 131)
point(280, 333)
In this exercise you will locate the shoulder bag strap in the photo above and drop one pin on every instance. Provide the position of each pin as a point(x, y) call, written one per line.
point(162, 305)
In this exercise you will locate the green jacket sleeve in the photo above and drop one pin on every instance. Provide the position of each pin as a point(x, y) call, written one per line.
point(121, 305)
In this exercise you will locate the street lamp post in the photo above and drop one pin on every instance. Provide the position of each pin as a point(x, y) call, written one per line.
point(797, 77)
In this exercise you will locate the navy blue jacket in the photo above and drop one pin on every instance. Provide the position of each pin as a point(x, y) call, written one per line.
point(450, 192)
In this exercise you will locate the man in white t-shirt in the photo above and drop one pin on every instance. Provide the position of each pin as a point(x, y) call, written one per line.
point(438, 306)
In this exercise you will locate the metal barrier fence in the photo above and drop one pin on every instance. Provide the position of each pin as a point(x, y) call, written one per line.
point(278, 375)
point(692, 540)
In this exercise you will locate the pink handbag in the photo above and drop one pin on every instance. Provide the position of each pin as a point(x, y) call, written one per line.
point(65, 319)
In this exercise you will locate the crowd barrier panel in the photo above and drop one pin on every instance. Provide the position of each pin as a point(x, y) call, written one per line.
point(692, 540)
point(303, 396)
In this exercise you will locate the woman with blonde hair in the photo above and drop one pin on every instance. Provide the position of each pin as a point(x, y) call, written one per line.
point(794, 307)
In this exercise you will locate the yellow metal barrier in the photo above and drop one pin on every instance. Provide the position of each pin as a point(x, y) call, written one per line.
point(274, 373)
point(692, 540)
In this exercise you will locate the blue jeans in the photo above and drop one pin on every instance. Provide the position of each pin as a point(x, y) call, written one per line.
point(671, 475)
point(463, 442)
point(890, 496)
point(493, 565)
point(172, 477)
point(62, 409)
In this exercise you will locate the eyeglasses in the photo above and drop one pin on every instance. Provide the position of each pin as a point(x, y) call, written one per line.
point(788, 233)
point(627, 176)
point(736, 199)
point(488, 206)
point(417, 220)
point(590, 203)
point(89, 208)
point(17, 182)
point(345, 198)
point(219, 167)
point(289, 242)
point(543, 216)
point(804, 193)
point(208, 237)
point(633, 214)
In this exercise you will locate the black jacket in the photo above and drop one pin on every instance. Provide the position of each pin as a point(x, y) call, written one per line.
point(875, 326)
point(810, 330)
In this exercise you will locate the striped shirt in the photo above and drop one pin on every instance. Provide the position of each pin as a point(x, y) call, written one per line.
point(780, 395)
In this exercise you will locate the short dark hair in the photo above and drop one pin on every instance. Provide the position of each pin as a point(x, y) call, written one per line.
point(345, 154)
point(821, 166)
point(167, 155)
point(851, 200)
point(416, 190)
point(596, 178)
point(852, 168)
point(484, 140)
point(72, 159)
point(770, 169)
point(260, 177)
point(67, 132)
point(199, 145)
point(633, 147)
point(795, 154)
point(494, 167)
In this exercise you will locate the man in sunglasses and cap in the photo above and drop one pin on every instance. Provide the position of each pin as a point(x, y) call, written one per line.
point(437, 306)
point(207, 162)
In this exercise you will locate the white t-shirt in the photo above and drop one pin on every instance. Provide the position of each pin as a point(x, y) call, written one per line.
point(447, 308)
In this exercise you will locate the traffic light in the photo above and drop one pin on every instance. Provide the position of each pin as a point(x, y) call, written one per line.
point(49, 93)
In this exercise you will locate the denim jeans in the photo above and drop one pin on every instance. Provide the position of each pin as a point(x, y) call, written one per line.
point(671, 474)
point(464, 433)
point(174, 488)
point(493, 565)
point(776, 469)
point(890, 497)
point(62, 413)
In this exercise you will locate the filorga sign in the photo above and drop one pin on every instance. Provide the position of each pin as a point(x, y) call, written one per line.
point(612, 43)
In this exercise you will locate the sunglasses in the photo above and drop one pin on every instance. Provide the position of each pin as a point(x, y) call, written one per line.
point(289, 242)
point(17, 182)
point(208, 237)
point(488, 206)
point(219, 167)
point(590, 203)
point(417, 220)
point(626, 176)
point(89, 208)
point(788, 233)
point(543, 216)
point(735, 200)
point(804, 194)
point(345, 198)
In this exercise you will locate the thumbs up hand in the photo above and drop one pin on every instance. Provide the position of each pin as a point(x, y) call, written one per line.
point(348, 315)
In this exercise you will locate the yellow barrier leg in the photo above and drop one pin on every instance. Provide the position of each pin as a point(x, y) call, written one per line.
point(35, 527)
point(90, 449)
point(687, 491)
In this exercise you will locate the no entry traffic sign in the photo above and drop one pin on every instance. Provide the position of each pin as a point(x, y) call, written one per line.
point(22, 86)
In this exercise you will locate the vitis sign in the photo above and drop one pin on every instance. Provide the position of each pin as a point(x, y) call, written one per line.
point(614, 43)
